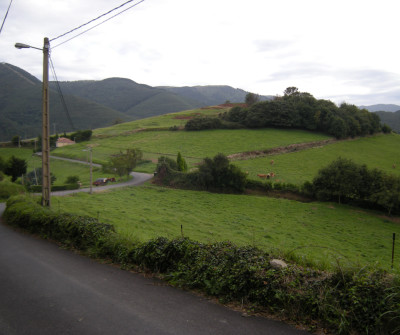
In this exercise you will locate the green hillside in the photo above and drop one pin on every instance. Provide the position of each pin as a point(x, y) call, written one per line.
point(319, 233)
point(391, 119)
point(380, 151)
point(128, 97)
point(211, 95)
point(21, 107)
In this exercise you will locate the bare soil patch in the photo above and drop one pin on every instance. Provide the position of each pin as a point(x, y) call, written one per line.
point(280, 150)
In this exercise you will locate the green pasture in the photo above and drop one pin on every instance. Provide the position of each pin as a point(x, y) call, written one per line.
point(161, 121)
point(193, 145)
point(321, 233)
point(61, 169)
point(380, 151)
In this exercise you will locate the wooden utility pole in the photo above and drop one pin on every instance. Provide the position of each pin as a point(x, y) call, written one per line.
point(46, 181)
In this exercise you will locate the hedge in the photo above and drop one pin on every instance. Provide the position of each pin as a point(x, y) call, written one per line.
point(54, 188)
point(344, 301)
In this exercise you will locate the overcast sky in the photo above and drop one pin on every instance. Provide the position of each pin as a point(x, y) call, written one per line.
point(342, 50)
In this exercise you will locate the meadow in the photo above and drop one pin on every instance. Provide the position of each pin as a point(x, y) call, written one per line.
point(60, 169)
point(380, 152)
point(320, 234)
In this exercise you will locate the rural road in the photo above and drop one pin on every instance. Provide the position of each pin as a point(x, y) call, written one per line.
point(48, 290)
point(138, 179)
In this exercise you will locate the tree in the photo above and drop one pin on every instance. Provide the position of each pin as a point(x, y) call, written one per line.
point(124, 163)
point(15, 167)
point(15, 140)
point(388, 195)
point(35, 177)
point(180, 161)
point(291, 91)
point(340, 179)
point(72, 180)
point(2, 164)
point(251, 99)
point(218, 173)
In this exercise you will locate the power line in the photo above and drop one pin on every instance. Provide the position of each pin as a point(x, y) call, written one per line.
point(85, 24)
point(60, 94)
point(4, 20)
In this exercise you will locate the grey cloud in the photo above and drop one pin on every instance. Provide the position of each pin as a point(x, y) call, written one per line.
point(301, 70)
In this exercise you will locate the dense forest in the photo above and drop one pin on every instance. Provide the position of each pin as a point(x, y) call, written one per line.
point(298, 110)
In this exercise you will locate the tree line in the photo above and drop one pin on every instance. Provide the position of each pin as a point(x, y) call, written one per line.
point(342, 181)
point(298, 110)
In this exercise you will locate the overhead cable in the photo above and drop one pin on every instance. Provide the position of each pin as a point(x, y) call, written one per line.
point(5, 17)
point(60, 94)
point(85, 24)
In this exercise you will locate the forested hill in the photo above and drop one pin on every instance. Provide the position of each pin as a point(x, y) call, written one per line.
point(128, 97)
point(392, 119)
point(21, 107)
point(213, 94)
point(93, 104)
point(302, 111)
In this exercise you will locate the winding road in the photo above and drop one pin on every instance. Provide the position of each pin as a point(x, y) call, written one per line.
point(45, 289)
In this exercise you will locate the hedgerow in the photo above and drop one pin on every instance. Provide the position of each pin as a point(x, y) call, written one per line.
point(343, 301)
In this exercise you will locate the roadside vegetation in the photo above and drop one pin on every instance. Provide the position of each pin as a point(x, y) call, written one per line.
point(219, 209)
point(344, 301)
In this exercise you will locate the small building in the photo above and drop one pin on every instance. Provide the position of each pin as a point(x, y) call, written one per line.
point(63, 141)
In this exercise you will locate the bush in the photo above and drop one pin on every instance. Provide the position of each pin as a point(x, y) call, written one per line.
point(345, 181)
point(201, 123)
point(343, 301)
point(8, 189)
point(72, 180)
point(80, 232)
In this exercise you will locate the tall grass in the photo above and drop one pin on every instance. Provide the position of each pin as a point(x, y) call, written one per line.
point(319, 233)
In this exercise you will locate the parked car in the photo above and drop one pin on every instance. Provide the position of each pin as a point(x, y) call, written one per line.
point(112, 179)
point(100, 181)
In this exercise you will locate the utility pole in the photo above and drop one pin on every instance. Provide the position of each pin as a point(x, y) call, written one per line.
point(46, 183)
point(91, 171)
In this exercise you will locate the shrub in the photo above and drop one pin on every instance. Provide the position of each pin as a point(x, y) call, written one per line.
point(343, 301)
point(72, 180)
point(8, 189)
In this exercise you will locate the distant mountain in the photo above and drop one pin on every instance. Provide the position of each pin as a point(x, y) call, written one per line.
point(128, 97)
point(212, 94)
point(93, 104)
point(381, 107)
point(21, 107)
point(389, 114)
point(391, 119)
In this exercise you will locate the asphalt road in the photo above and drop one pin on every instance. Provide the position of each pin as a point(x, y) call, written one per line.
point(48, 290)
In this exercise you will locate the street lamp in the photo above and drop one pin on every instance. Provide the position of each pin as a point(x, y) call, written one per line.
point(46, 184)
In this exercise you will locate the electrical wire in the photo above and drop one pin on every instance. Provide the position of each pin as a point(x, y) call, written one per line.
point(85, 24)
point(5, 17)
point(60, 94)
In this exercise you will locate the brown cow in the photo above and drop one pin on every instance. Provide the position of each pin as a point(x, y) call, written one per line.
point(262, 176)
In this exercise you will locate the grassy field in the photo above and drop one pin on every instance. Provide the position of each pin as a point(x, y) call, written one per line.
point(193, 145)
point(381, 152)
point(164, 121)
point(323, 233)
point(61, 169)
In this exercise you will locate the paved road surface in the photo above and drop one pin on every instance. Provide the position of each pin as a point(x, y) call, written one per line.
point(48, 290)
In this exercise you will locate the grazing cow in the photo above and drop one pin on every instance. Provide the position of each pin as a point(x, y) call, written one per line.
point(262, 176)
point(272, 162)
